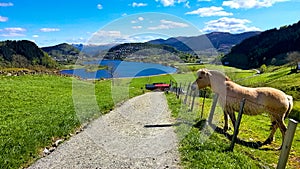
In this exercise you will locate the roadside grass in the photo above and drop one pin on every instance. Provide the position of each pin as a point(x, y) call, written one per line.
point(34, 110)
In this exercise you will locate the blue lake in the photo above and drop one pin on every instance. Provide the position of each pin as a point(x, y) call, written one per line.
point(121, 69)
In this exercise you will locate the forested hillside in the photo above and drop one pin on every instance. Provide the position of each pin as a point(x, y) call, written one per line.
point(147, 52)
point(63, 53)
point(270, 47)
point(23, 54)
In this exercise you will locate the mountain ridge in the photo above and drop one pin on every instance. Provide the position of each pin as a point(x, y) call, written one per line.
point(270, 47)
point(63, 53)
point(221, 41)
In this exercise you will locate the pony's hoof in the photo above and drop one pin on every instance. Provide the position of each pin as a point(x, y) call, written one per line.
point(268, 141)
point(279, 148)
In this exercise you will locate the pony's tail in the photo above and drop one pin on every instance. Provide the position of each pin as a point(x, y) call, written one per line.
point(290, 100)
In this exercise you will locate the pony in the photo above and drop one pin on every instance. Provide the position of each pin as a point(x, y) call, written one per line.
point(259, 100)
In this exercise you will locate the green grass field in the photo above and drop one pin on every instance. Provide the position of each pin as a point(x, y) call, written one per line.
point(36, 110)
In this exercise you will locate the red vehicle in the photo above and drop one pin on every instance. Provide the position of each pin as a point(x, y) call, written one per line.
point(159, 86)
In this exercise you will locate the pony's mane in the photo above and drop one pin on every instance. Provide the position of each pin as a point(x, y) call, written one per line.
point(216, 72)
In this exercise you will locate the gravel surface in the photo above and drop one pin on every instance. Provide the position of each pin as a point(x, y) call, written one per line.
point(120, 139)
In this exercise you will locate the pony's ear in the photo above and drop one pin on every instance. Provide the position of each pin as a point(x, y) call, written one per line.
point(204, 72)
point(208, 73)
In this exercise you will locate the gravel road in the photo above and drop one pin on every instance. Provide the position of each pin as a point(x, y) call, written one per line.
point(120, 139)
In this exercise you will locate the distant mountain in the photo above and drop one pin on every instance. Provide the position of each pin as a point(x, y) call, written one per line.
point(269, 47)
point(93, 50)
point(63, 53)
point(221, 41)
point(23, 54)
point(128, 50)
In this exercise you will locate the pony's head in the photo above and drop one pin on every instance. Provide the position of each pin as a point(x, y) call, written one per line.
point(203, 79)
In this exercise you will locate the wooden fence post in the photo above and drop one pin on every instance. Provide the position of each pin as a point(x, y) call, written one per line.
point(287, 143)
point(213, 108)
point(190, 98)
point(171, 86)
point(178, 91)
point(187, 92)
point(202, 109)
point(194, 96)
point(237, 125)
point(182, 90)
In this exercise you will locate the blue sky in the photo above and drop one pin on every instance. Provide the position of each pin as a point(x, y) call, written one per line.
point(110, 21)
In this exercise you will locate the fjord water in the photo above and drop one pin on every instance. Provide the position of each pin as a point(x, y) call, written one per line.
point(121, 69)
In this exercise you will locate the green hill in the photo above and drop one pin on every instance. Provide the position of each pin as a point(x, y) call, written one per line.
point(63, 53)
point(147, 52)
point(23, 54)
point(125, 50)
point(270, 47)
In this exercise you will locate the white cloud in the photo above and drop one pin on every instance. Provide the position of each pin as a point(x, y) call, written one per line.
point(12, 32)
point(236, 4)
point(104, 37)
point(166, 24)
point(135, 4)
point(209, 11)
point(4, 4)
point(137, 27)
point(166, 3)
point(16, 29)
point(99, 6)
point(35, 36)
point(124, 14)
point(232, 25)
point(107, 33)
point(140, 18)
point(3, 19)
point(49, 29)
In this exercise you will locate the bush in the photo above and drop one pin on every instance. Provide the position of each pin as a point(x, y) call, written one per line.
point(263, 68)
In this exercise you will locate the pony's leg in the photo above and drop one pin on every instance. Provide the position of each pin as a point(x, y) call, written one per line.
point(274, 127)
point(283, 129)
point(225, 121)
point(232, 118)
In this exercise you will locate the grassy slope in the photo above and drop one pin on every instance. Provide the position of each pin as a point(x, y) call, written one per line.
point(35, 110)
point(211, 153)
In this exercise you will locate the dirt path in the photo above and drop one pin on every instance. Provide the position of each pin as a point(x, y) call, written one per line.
point(120, 140)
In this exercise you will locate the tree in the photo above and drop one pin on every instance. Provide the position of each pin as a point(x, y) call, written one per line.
point(294, 58)
point(263, 68)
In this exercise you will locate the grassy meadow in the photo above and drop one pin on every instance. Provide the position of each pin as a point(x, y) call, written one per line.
point(202, 148)
point(36, 110)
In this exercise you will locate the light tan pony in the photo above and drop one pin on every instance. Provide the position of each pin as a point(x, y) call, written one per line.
point(258, 100)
